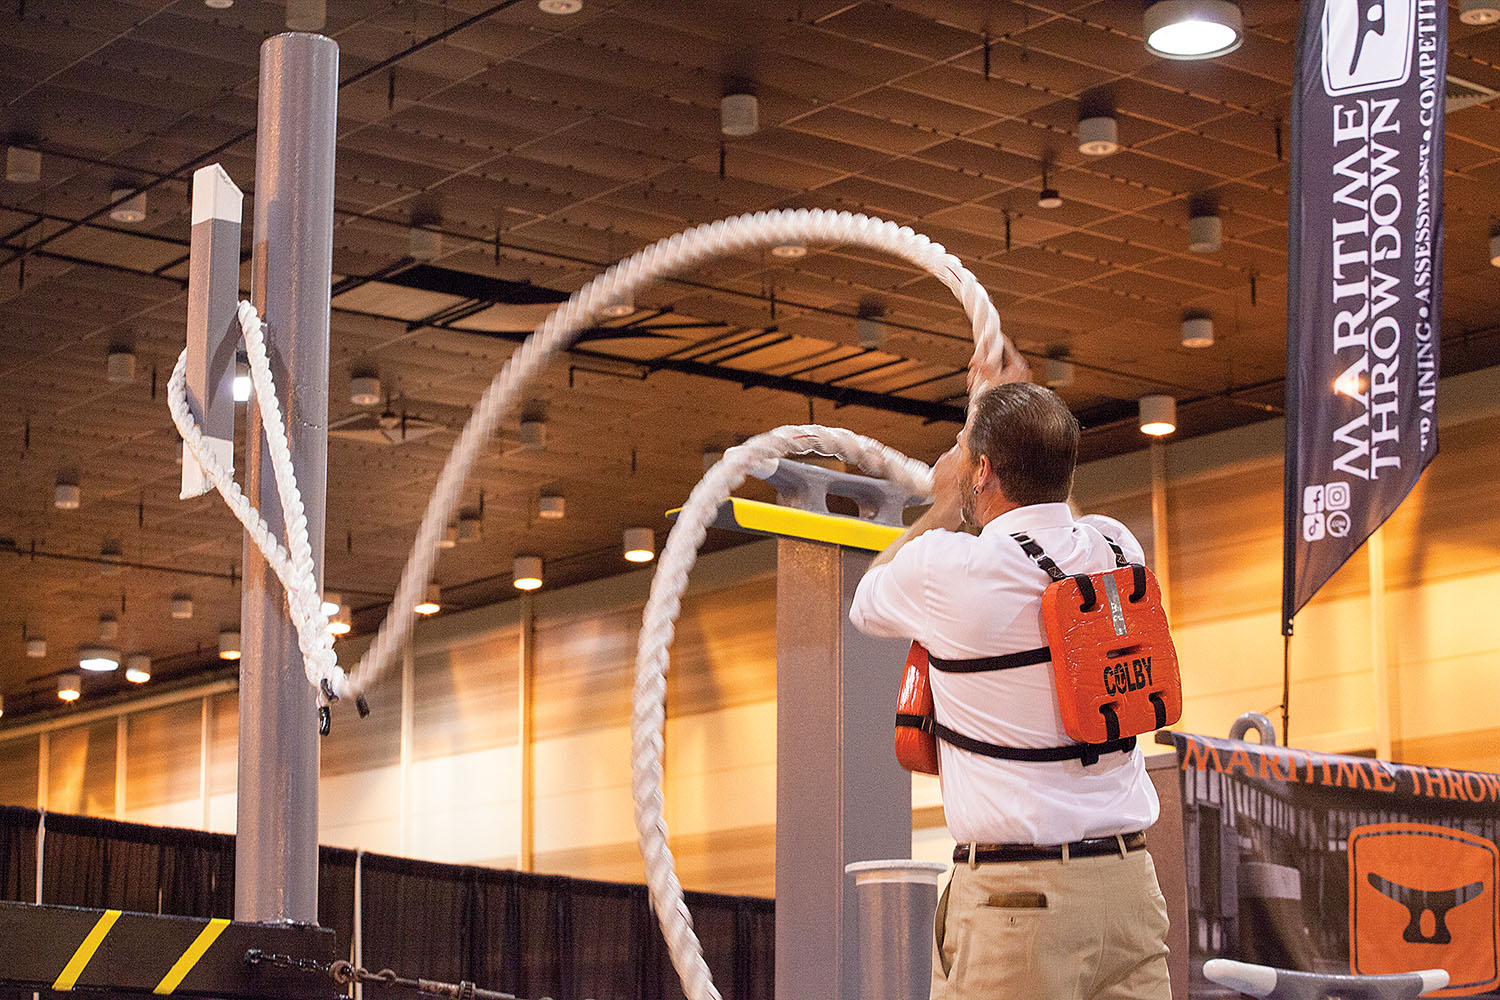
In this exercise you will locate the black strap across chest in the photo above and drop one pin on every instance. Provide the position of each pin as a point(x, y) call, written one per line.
point(1088, 753)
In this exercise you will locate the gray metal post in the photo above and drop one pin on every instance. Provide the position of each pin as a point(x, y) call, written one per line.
point(276, 853)
point(897, 906)
point(840, 795)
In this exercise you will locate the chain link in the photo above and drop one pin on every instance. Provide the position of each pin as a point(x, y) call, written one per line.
point(343, 973)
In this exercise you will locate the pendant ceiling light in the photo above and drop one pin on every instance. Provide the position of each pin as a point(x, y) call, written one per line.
point(1158, 415)
point(1193, 29)
point(526, 572)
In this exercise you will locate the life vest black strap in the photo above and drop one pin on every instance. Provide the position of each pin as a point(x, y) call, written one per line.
point(908, 720)
point(1009, 661)
point(1032, 549)
point(1088, 753)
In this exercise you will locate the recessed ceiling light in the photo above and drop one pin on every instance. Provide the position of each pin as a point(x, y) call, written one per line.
point(1158, 415)
point(229, 644)
point(526, 572)
point(431, 602)
point(127, 205)
point(69, 687)
point(1098, 135)
point(1197, 331)
point(560, 6)
point(138, 668)
point(98, 659)
point(640, 545)
point(1478, 11)
point(1193, 29)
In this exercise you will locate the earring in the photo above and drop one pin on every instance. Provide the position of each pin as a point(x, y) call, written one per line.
point(976, 491)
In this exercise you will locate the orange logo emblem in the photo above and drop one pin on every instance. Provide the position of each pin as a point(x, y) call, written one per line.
point(1423, 897)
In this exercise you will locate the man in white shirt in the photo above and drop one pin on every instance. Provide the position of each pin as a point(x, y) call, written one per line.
point(1053, 895)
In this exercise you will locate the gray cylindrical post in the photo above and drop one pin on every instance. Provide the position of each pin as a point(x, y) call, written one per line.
point(276, 854)
point(897, 904)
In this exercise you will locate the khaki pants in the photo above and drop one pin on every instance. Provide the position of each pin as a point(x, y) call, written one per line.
point(1082, 929)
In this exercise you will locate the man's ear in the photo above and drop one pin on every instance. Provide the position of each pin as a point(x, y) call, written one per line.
point(984, 472)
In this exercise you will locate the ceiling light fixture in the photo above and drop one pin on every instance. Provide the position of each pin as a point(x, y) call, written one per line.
point(1205, 232)
point(618, 306)
point(119, 369)
point(109, 628)
point(341, 622)
point(431, 602)
point(426, 243)
point(789, 251)
point(23, 166)
point(138, 668)
point(364, 390)
point(470, 529)
point(1049, 196)
point(229, 644)
point(242, 383)
point(127, 205)
point(1098, 135)
point(739, 115)
point(331, 603)
point(99, 659)
point(551, 507)
point(69, 687)
point(36, 647)
point(1059, 372)
point(639, 545)
point(109, 559)
point(1158, 415)
point(450, 536)
point(2, 704)
point(1197, 330)
point(526, 572)
point(218, 4)
point(1193, 29)
point(1495, 250)
point(66, 495)
point(182, 607)
point(559, 6)
point(1478, 11)
point(533, 433)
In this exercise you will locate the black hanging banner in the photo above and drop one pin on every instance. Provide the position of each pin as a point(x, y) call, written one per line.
point(1365, 275)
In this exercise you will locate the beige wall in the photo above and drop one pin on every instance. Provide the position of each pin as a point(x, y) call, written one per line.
point(436, 772)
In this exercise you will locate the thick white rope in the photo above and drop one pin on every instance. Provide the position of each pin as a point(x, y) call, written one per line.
point(993, 357)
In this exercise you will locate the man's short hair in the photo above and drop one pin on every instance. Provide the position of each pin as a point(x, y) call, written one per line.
point(1030, 438)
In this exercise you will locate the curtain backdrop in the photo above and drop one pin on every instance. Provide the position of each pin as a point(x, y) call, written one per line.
point(531, 935)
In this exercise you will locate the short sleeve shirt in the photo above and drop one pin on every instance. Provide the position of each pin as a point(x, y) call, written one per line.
point(964, 596)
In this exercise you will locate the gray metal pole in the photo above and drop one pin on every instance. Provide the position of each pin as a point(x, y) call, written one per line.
point(840, 795)
point(276, 853)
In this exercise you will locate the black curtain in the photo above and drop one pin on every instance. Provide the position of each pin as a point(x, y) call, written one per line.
point(127, 866)
point(550, 936)
point(18, 854)
point(531, 935)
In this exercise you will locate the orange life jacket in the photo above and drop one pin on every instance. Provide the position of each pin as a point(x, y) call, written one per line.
point(1113, 663)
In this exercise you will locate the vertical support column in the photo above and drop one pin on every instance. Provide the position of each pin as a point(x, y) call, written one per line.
point(1380, 654)
point(525, 735)
point(276, 851)
point(840, 795)
point(408, 730)
point(43, 769)
point(205, 759)
point(121, 756)
point(1160, 555)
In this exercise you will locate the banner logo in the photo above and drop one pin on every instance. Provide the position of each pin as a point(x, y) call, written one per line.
point(1423, 897)
point(1366, 44)
point(1325, 511)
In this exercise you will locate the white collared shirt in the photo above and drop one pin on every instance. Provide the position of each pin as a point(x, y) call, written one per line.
point(963, 597)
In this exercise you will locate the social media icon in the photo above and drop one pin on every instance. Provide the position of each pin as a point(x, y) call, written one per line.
point(1313, 527)
point(1312, 499)
point(1336, 496)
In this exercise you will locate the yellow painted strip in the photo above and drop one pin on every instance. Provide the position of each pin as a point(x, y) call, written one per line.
point(773, 519)
point(196, 950)
point(91, 943)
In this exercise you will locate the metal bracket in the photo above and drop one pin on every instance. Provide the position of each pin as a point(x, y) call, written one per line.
point(808, 487)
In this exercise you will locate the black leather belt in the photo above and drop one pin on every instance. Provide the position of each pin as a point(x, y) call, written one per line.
point(1092, 847)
